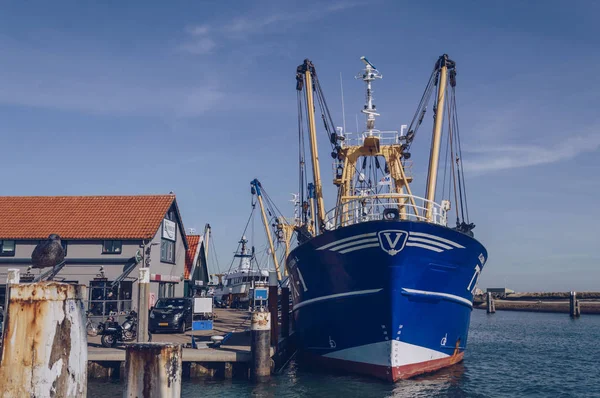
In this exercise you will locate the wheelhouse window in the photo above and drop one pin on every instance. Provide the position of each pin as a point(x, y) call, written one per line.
point(7, 247)
point(167, 251)
point(112, 247)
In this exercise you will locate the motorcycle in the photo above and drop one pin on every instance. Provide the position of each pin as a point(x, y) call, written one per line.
point(114, 333)
point(130, 326)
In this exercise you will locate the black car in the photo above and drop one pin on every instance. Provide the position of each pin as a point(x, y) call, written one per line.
point(173, 313)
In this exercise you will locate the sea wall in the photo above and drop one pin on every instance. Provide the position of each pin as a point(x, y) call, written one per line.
point(587, 307)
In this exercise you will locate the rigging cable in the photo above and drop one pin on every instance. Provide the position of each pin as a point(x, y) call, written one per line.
point(243, 233)
point(464, 186)
point(453, 171)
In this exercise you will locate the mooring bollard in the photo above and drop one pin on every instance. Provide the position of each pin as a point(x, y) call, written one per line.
point(285, 311)
point(44, 350)
point(574, 308)
point(260, 367)
point(272, 303)
point(153, 370)
point(491, 306)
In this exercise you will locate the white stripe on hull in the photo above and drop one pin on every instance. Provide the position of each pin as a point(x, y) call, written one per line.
point(370, 234)
point(424, 235)
point(334, 296)
point(440, 295)
point(387, 353)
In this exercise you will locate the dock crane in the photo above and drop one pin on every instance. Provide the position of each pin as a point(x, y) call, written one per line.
point(283, 229)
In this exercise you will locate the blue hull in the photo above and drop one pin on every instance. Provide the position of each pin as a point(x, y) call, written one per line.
point(392, 299)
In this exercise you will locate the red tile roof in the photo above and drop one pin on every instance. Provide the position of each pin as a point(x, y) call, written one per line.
point(190, 254)
point(82, 217)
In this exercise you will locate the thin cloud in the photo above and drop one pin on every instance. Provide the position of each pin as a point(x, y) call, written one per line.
point(199, 46)
point(198, 42)
point(495, 158)
point(201, 38)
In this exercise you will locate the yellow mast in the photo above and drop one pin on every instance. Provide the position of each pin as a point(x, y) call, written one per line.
point(256, 185)
point(437, 136)
point(320, 219)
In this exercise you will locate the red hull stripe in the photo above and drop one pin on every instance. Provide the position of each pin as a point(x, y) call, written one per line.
point(387, 372)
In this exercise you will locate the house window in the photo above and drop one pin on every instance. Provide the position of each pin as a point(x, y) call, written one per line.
point(112, 247)
point(7, 247)
point(166, 290)
point(170, 215)
point(64, 246)
point(167, 251)
point(104, 298)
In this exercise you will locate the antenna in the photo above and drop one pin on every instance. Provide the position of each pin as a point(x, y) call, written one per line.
point(356, 122)
point(343, 110)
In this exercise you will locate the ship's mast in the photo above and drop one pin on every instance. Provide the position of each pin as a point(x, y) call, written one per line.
point(371, 73)
point(256, 184)
point(307, 69)
point(443, 64)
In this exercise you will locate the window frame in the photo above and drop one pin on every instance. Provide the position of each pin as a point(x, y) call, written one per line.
point(163, 253)
point(104, 251)
point(11, 253)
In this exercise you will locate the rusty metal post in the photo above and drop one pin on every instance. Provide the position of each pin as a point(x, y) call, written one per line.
point(272, 303)
point(45, 346)
point(285, 311)
point(153, 370)
point(143, 311)
point(491, 306)
point(260, 367)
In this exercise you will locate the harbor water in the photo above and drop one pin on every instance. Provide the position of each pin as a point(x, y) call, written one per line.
point(510, 354)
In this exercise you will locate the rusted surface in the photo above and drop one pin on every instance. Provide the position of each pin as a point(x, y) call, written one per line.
point(153, 370)
point(261, 321)
point(260, 368)
point(45, 345)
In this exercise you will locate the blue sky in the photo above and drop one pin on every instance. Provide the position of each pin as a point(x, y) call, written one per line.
point(199, 98)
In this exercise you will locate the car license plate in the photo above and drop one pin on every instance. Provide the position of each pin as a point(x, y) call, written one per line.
point(163, 324)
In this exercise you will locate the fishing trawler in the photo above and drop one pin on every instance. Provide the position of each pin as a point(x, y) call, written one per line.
point(382, 285)
point(237, 285)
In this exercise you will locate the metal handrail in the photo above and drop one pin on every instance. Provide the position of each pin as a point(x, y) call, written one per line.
point(385, 137)
point(371, 207)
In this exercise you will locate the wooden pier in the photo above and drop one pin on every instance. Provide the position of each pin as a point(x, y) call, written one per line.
point(232, 359)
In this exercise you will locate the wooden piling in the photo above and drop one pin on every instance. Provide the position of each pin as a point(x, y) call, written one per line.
point(574, 307)
point(285, 311)
point(491, 306)
point(143, 303)
point(260, 366)
point(272, 303)
point(153, 370)
point(44, 350)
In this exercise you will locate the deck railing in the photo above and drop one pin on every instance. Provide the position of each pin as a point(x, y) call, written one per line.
point(371, 208)
point(385, 137)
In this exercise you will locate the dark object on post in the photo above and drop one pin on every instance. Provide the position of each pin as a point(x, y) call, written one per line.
point(48, 253)
point(260, 367)
point(491, 306)
point(574, 308)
